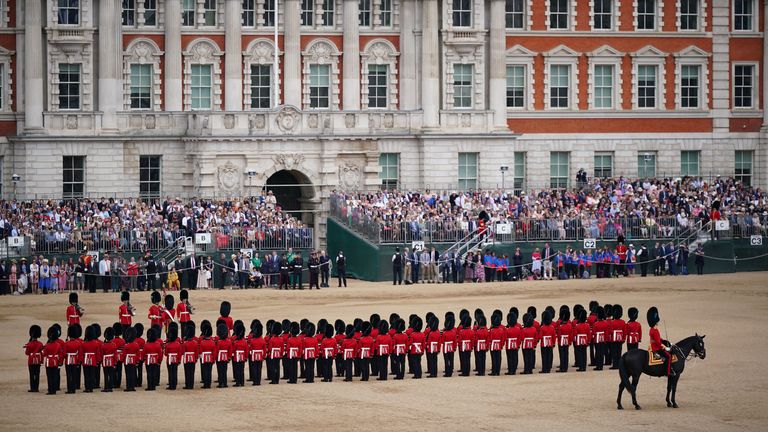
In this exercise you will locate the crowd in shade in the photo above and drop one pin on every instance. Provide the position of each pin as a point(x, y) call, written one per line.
point(71, 225)
point(659, 207)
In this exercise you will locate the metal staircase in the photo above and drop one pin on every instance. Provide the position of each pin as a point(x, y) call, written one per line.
point(179, 246)
point(472, 242)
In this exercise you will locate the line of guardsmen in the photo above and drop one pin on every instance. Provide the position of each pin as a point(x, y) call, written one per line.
point(304, 349)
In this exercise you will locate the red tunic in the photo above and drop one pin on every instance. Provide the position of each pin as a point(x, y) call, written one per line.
point(53, 355)
point(257, 349)
point(600, 330)
point(481, 339)
point(154, 315)
point(416, 342)
point(91, 353)
point(153, 353)
point(173, 352)
point(617, 330)
point(131, 353)
point(73, 350)
point(34, 352)
point(294, 347)
point(119, 344)
point(565, 334)
point(634, 332)
point(365, 347)
point(182, 311)
point(496, 337)
point(582, 334)
point(207, 350)
point(190, 350)
point(400, 343)
point(433, 342)
point(383, 344)
point(124, 314)
point(655, 337)
point(547, 336)
point(73, 315)
point(239, 350)
point(275, 347)
point(108, 354)
point(229, 322)
point(513, 335)
point(449, 340)
point(466, 339)
point(223, 350)
point(608, 330)
point(328, 348)
point(309, 348)
point(530, 338)
point(348, 348)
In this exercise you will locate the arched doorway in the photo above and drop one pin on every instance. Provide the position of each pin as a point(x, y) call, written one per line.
point(294, 193)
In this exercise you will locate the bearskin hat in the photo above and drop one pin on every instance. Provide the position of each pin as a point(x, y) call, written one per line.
point(565, 314)
point(496, 319)
point(411, 317)
point(434, 323)
point(53, 333)
point(618, 311)
point(514, 309)
point(90, 333)
point(225, 308)
point(417, 324)
point(329, 331)
point(608, 309)
point(511, 319)
point(466, 322)
point(173, 332)
point(450, 322)
point(154, 298)
point(117, 330)
point(375, 319)
point(600, 311)
point(130, 335)
point(532, 312)
point(653, 316)
point(400, 325)
point(277, 328)
point(109, 334)
point(205, 325)
point(478, 313)
point(551, 310)
point(239, 330)
point(236, 323)
point(97, 330)
point(481, 321)
point(582, 315)
point(339, 326)
point(257, 329)
point(295, 329)
point(428, 317)
point(35, 331)
point(125, 296)
point(632, 313)
point(189, 331)
point(72, 298)
point(222, 331)
point(358, 325)
point(349, 332)
point(169, 302)
point(268, 328)
point(593, 305)
point(393, 317)
point(74, 331)
point(303, 324)
point(286, 325)
point(152, 335)
point(546, 318)
point(183, 295)
point(527, 320)
point(383, 327)
point(463, 313)
point(366, 328)
point(139, 329)
point(497, 312)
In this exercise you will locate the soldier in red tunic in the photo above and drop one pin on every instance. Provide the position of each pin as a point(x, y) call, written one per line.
point(207, 352)
point(466, 343)
point(34, 352)
point(433, 345)
point(547, 336)
point(582, 336)
point(481, 344)
point(530, 338)
point(496, 339)
point(349, 351)
point(153, 355)
point(365, 351)
point(53, 357)
point(383, 346)
point(416, 340)
point(74, 311)
point(225, 309)
point(119, 342)
point(309, 352)
point(223, 354)
point(599, 330)
point(168, 312)
point(293, 348)
point(633, 330)
point(448, 341)
point(564, 337)
point(91, 358)
point(400, 343)
point(73, 350)
point(126, 311)
point(189, 350)
point(659, 345)
point(257, 348)
point(173, 354)
point(617, 335)
point(274, 353)
point(340, 335)
point(155, 313)
point(184, 309)
point(239, 354)
point(131, 358)
point(139, 339)
point(108, 359)
point(514, 333)
point(328, 350)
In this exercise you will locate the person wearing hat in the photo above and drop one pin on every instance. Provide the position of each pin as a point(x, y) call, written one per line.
point(173, 354)
point(341, 269)
point(659, 345)
point(73, 357)
point(432, 345)
point(53, 358)
point(448, 343)
point(91, 348)
point(293, 346)
point(183, 309)
point(239, 354)
point(155, 314)
point(34, 352)
point(325, 268)
point(466, 341)
point(383, 346)
point(600, 337)
point(223, 353)
point(314, 270)
point(564, 337)
point(365, 350)
point(125, 311)
point(582, 338)
point(348, 349)
point(74, 311)
point(152, 356)
point(257, 347)
point(189, 353)
point(547, 336)
point(131, 356)
point(397, 267)
point(617, 335)
point(297, 265)
point(633, 329)
point(45, 276)
point(275, 347)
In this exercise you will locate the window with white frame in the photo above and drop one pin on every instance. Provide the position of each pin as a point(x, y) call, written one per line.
point(73, 176)
point(377, 85)
point(646, 165)
point(307, 12)
point(690, 86)
point(389, 164)
point(3, 97)
point(468, 170)
point(319, 86)
point(515, 14)
point(647, 86)
point(261, 86)
point(462, 13)
point(201, 86)
point(364, 13)
point(188, 13)
point(604, 86)
point(689, 14)
point(68, 12)
point(386, 13)
point(559, 165)
point(329, 9)
point(519, 173)
point(129, 12)
point(69, 86)
point(559, 86)
point(602, 14)
point(558, 14)
point(743, 166)
point(150, 170)
point(744, 15)
point(209, 13)
point(516, 86)
point(462, 85)
point(269, 13)
point(141, 86)
point(646, 14)
point(604, 165)
point(249, 13)
point(744, 86)
point(150, 12)
point(689, 162)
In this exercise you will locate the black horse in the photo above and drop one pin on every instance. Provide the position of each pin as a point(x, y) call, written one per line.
point(635, 363)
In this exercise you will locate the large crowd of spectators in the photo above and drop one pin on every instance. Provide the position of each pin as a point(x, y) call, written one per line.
point(72, 225)
point(598, 208)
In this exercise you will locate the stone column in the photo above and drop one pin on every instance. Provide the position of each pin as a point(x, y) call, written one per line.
point(110, 63)
point(430, 67)
point(351, 57)
point(33, 65)
point(173, 85)
point(292, 53)
point(233, 57)
point(498, 74)
point(407, 55)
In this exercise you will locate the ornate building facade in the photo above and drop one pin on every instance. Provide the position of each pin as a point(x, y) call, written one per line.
point(226, 97)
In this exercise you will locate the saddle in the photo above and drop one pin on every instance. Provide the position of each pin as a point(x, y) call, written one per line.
point(656, 359)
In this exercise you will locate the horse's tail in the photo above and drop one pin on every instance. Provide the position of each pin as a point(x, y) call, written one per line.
point(623, 375)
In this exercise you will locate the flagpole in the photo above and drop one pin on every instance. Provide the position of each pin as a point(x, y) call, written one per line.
point(274, 66)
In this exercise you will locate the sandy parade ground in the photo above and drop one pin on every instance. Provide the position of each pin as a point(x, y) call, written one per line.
point(727, 391)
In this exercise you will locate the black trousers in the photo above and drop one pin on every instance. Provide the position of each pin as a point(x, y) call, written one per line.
point(34, 377)
point(563, 351)
point(699, 269)
point(599, 355)
point(297, 280)
point(448, 364)
point(480, 362)
point(71, 372)
point(97, 379)
point(109, 378)
point(130, 377)
point(328, 369)
point(342, 275)
point(358, 367)
point(221, 373)
point(607, 356)
point(528, 355)
point(313, 280)
point(273, 370)
point(292, 370)
point(89, 375)
point(189, 375)
point(118, 381)
point(616, 354)
point(383, 369)
point(173, 375)
point(375, 365)
point(53, 375)
point(78, 372)
point(644, 269)
point(364, 368)
point(399, 363)
point(495, 362)
point(206, 372)
point(284, 280)
point(238, 373)
point(139, 374)
point(324, 277)
point(284, 361)
point(431, 364)
point(309, 370)
point(254, 372)
point(547, 354)
point(415, 362)
point(591, 353)
point(512, 359)
point(153, 374)
point(397, 275)
point(339, 366)
point(348, 369)
point(465, 359)
point(631, 347)
point(581, 357)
